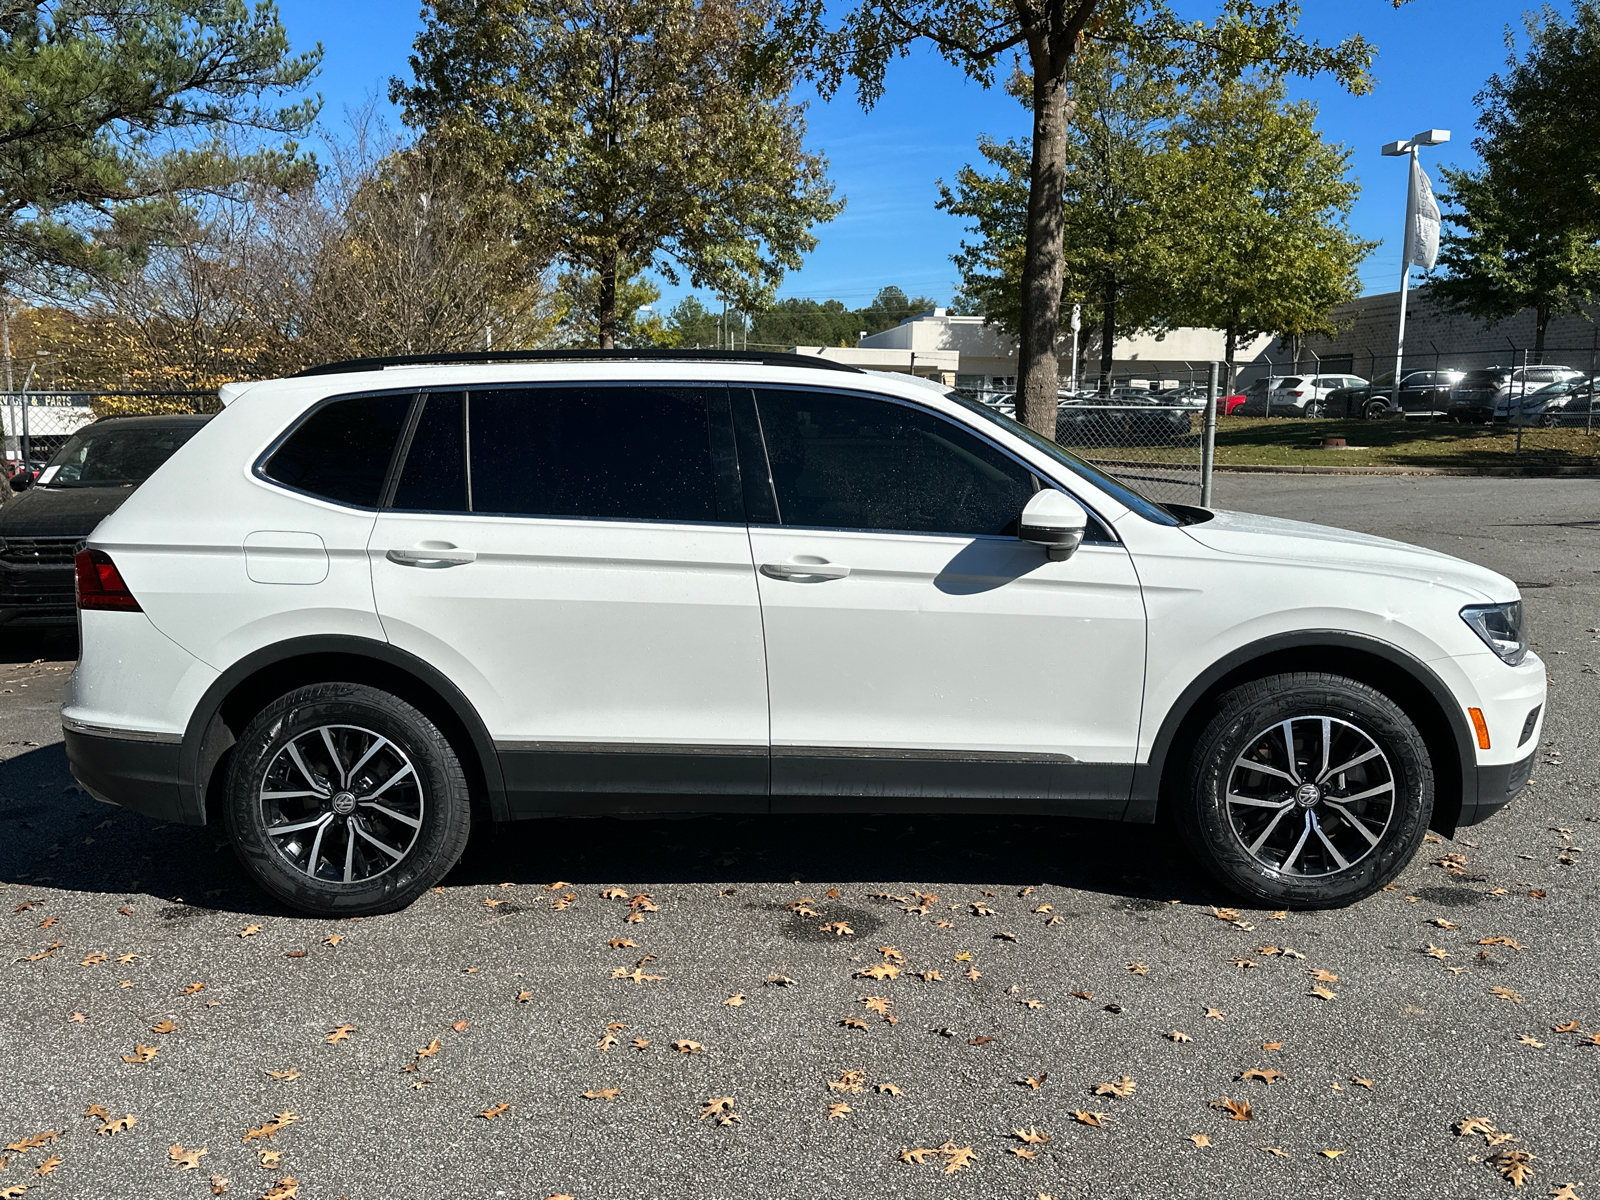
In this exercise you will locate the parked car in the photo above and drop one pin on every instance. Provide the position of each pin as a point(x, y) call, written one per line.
point(42, 526)
point(1423, 395)
point(1565, 402)
point(379, 601)
point(1123, 418)
point(1475, 398)
point(1228, 405)
point(1254, 403)
point(1306, 395)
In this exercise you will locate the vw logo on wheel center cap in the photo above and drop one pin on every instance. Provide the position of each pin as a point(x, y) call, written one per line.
point(344, 803)
point(1306, 795)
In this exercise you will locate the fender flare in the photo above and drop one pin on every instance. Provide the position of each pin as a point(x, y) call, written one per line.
point(1145, 794)
point(192, 779)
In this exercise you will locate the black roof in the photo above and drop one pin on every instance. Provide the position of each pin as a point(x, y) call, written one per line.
point(756, 357)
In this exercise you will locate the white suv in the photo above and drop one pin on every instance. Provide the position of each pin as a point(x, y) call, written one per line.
point(370, 606)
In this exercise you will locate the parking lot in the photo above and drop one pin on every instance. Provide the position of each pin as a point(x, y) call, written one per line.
point(827, 1006)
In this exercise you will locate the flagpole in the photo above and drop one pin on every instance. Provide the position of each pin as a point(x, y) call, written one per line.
point(1405, 273)
point(1418, 245)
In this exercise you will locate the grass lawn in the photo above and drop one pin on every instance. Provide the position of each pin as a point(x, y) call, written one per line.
point(1288, 441)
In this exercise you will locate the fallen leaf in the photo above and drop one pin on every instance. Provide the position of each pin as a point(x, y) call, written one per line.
point(94, 959)
point(120, 1125)
point(973, 974)
point(780, 981)
point(1565, 1027)
point(1118, 1087)
point(1276, 1151)
point(838, 928)
point(1564, 1191)
point(13, 1192)
point(1528, 1041)
point(141, 1053)
point(193, 988)
point(882, 970)
point(956, 1157)
point(1322, 976)
point(164, 1026)
point(249, 931)
point(887, 1089)
point(930, 976)
point(1501, 941)
point(1237, 1110)
point(1138, 968)
point(919, 1155)
point(269, 1159)
point(333, 939)
point(640, 1043)
point(606, 1094)
point(1330, 1153)
point(341, 1034)
point(1360, 1082)
point(286, 1188)
point(219, 1184)
point(1031, 1136)
point(685, 1046)
point(1216, 1014)
point(980, 1040)
point(719, 1110)
point(46, 952)
point(34, 1141)
point(1272, 1045)
point(185, 1160)
point(1505, 993)
point(1267, 1075)
point(1096, 1119)
point(1201, 1140)
point(838, 1111)
point(623, 944)
point(1177, 1036)
point(269, 1129)
point(1034, 1081)
point(494, 1110)
point(55, 1160)
point(286, 1076)
point(1023, 1152)
point(1323, 992)
point(1515, 1165)
point(635, 976)
point(95, 1110)
point(1442, 923)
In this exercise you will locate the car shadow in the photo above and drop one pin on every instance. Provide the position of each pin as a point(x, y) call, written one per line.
point(53, 834)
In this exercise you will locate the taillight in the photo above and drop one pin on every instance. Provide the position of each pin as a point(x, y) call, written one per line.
point(100, 584)
point(1297, 393)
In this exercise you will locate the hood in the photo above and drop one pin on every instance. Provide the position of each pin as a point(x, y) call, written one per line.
point(59, 512)
point(1253, 536)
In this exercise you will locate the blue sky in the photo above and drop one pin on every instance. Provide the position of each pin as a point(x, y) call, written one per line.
point(1433, 57)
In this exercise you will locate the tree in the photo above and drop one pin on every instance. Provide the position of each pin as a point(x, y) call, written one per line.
point(974, 34)
point(580, 301)
point(692, 323)
point(1527, 222)
point(631, 131)
point(110, 110)
point(1263, 204)
point(1119, 258)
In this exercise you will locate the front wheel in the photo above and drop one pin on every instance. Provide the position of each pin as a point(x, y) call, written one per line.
point(1315, 409)
point(1307, 790)
point(343, 800)
point(1374, 412)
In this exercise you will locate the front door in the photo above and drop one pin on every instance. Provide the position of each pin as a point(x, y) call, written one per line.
point(575, 559)
point(918, 653)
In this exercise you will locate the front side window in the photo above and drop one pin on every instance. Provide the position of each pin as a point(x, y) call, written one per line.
point(632, 453)
point(341, 451)
point(855, 462)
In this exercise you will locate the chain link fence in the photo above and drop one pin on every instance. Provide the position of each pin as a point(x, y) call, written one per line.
point(35, 425)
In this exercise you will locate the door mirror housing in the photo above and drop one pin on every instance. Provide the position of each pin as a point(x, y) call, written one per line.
point(22, 480)
point(1055, 521)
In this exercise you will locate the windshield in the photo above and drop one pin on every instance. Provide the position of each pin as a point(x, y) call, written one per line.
point(1146, 508)
point(105, 456)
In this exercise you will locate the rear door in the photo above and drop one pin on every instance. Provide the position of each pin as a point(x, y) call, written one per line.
point(575, 559)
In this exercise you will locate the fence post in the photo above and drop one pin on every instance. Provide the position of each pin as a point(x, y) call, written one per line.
point(1520, 398)
point(1208, 444)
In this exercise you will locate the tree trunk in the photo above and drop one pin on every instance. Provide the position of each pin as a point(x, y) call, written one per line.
point(1038, 372)
point(1108, 335)
point(606, 312)
point(1229, 348)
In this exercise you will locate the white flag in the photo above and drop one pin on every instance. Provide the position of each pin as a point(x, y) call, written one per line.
point(1422, 220)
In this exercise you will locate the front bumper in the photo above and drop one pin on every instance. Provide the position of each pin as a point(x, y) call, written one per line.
point(136, 772)
point(37, 595)
point(1497, 787)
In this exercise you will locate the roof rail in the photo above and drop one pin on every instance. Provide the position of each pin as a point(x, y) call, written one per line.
point(762, 358)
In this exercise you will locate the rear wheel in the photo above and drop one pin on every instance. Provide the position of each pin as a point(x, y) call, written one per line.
point(1308, 790)
point(1375, 410)
point(1315, 409)
point(344, 800)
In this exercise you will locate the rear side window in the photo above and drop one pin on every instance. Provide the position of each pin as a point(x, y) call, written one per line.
point(435, 475)
point(634, 453)
point(341, 452)
point(852, 462)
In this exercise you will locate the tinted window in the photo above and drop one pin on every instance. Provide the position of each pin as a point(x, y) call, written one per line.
point(341, 452)
point(851, 462)
point(609, 452)
point(1293, 381)
point(434, 478)
point(106, 455)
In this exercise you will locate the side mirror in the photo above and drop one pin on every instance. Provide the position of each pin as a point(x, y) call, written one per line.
point(22, 480)
point(1055, 521)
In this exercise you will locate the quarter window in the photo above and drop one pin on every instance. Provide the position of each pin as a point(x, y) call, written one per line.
point(852, 462)
point(341, 452)
point(639, 453)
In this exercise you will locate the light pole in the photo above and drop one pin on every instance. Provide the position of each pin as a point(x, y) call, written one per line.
point(1421, 244)
point(1077, 324)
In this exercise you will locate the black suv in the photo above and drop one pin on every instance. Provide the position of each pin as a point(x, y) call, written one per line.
point(1423, 394)
point(87, 480)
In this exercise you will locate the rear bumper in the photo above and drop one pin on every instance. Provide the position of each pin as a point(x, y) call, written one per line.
point(135, 771)
point(1497, 787)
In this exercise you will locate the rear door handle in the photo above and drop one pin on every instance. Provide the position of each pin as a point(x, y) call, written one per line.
point(805, 570)
point(431, 556)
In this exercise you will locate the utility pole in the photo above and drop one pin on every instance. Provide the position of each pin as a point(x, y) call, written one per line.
point(1077, 324)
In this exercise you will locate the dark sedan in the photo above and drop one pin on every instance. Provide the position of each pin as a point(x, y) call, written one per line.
point(1565, 402)
point(1423, 395)
point(1128, 419)
point(87, 480)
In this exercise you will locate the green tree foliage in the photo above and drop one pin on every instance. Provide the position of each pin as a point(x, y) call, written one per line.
point(632, 131)
point(1120, 247)
point(113, 111)
point(798, 321)
point(1262, 205)
point(975, 34)
point(1527, 222)
point(579, 298)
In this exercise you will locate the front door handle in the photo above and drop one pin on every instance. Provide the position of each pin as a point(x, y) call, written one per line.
point(431, 555)
point(796, 569)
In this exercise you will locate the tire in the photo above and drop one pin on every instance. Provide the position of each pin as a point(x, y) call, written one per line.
point(348, 856)
point(1374, 412)
point(1249, 722)
point(1315, 410)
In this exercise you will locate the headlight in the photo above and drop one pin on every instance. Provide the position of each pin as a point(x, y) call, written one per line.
point(1501, 627)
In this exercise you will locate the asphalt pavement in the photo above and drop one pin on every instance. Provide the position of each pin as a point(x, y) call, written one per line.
point(775, 972)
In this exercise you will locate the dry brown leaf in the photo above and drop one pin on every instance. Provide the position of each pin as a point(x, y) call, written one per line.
point(853, 1023)
point(1023, 1152)
point(1272, 1045)
point(341, 1034)
point(49, 1164)
point(1360, 1082)
point(249, 931)
point(606, 1094)
point(780, 981)
point(141, 1053)
point(285, 1076)
point(34, 1141)
point(1138, 968)
point(286, 1188)
point(1505, 993)
point(1442, 923)
point(1237, 1110)
point(1216, 1014)
point(120, 1125)
point(460, 1026)
point(1034, 1081)
point(635, 976)
point(95, 1110)
point(1515, 1165)
point(1470, 1125)
point(193, 988)
point(973, 974)
point(719, 1110)
point(919, 1155)
point(1322, 976)
point(882, 970)
point(1276, 1151)
point(1529, 1041)
point(185, 1160)
point(46, 952)
point(524, 996)
point(333, 939)
point(613, 893)
point(849, 1081)
point(164, 1026)
point(1201, 1140)
point(641, 903)
point(982, 1039)
point(269, 1129)
point(890, 953)
point(736, 1000)
point(1096, 1119)
point(1565, 1027)
point(269, 1160)
point(623, 944)
point(837, 928)
point(1268, 1075)
point(1177, 1036)
point(1330, 1153)
point(956, 1157)
point(1323, 993)
point(1564, 1191)
point(685, 1046)
point(94, 959)
point(838, 1110)
point(1501, 941)
point(1031, 1136)
point(494, 1110)
point(640, 1043)
point(1117, 1087)
point(877, 1004)
point(887, 1089)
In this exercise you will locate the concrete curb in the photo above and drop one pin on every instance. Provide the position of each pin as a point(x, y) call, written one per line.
point(1531, 470)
